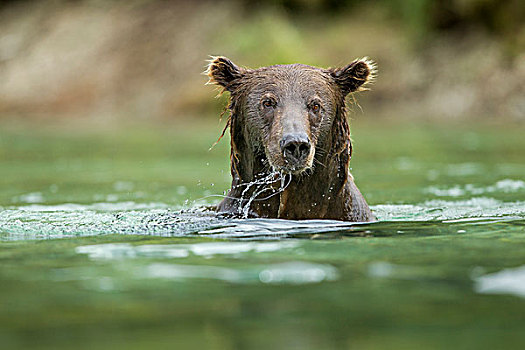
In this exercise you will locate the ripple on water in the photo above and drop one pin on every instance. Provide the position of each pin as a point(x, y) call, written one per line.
point(449, 210)
point(39, 221)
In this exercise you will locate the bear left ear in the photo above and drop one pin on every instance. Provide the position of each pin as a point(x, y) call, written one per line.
point(223, 72)
point(354, 76)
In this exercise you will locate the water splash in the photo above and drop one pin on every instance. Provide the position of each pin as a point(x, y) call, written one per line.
point(262, 185)
point(259, 185)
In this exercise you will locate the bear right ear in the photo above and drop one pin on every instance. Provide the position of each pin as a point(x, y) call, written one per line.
point(223, 72)
point(355, 76)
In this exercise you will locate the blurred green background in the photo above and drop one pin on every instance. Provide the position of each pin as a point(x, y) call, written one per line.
point(141, 60)
point(105, 121)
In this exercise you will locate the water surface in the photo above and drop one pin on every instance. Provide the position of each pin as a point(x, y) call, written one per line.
point(105, 243)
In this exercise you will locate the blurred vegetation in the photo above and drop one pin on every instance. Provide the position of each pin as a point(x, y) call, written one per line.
point(422, 17)
point(143, 59)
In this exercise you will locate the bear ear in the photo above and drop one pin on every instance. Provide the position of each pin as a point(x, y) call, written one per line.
point(223, 72)
point(355, 76)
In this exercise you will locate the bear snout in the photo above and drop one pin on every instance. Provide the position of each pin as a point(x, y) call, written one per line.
point(295, 148)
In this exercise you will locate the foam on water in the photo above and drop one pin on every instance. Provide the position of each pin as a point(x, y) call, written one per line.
point(38, 221)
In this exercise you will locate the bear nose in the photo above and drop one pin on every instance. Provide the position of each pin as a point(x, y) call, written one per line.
point(295, 146)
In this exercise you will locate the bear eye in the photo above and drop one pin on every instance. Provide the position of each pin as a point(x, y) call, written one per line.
point(315, 107)
point(268, 103)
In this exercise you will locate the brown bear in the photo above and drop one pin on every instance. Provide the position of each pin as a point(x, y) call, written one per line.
point(290, 140)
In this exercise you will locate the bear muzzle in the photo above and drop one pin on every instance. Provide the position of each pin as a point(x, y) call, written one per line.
point(296, 152)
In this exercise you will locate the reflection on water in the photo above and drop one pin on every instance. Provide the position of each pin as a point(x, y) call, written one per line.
point(502, 186)
point(508, 281)
point(295, 272)
point(125, 250)
point(289, 272)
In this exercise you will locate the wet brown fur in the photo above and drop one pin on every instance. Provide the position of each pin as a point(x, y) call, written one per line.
point(324, 189)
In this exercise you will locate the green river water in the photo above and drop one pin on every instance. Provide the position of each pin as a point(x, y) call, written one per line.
point(104, 244)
